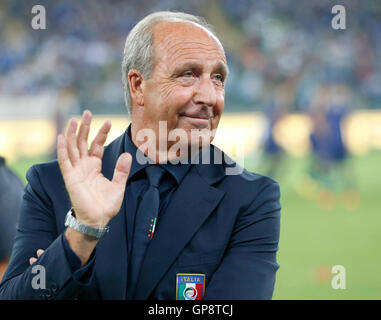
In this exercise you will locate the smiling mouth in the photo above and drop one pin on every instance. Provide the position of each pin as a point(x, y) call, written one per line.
point(195, 117)
point(197, 121)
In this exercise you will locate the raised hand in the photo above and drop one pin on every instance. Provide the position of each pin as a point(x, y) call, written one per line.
point(95, 199)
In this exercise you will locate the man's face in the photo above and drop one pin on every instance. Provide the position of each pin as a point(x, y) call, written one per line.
point(186, 87)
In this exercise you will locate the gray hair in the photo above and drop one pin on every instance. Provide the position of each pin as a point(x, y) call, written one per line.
point(138, 50)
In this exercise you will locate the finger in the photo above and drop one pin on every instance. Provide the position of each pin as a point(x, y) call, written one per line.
point(83, 133)
point(32, 260)
point(39, 252)
point(71, 141)
point(122, 169)
point(97, 146)
point(62, 154)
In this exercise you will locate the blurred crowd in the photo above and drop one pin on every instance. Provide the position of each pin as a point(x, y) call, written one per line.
point(293, 42)
point(78, 54)
point(269, 44)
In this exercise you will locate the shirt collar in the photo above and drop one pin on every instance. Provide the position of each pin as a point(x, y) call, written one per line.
point(178, 171)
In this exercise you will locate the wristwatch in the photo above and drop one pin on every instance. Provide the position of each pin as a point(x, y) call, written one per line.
point(73, 223)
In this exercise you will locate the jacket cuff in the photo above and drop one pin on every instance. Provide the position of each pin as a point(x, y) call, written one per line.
point(61, 282)
point(80, 275)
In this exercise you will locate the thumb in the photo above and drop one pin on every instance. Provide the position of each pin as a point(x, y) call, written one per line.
point(122, 169)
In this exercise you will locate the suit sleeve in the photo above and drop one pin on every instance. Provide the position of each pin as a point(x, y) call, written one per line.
point(51, 276)
point(248, 268)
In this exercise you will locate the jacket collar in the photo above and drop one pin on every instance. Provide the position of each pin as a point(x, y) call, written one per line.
point(178, 171)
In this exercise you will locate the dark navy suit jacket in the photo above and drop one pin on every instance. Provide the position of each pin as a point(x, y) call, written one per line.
point(224, 226)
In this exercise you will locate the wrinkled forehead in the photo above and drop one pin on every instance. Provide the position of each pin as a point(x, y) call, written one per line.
point(172, 38)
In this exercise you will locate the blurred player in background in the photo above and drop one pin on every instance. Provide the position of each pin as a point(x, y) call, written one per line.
point(330, 165)
point(280, 105)
point(11, 191)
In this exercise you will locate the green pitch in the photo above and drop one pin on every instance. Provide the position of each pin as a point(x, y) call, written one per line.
point(319, 232)
point(322, 228)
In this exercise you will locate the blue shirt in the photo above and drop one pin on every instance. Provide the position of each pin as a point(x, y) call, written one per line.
point(136, 186)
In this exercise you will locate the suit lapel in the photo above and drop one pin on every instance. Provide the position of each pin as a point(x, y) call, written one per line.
point(111, 266)
point(185, 214)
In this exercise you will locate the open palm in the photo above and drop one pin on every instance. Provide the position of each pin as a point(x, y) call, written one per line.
point(95, 199)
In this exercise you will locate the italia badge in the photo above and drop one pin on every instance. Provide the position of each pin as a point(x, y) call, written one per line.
point(190, 286)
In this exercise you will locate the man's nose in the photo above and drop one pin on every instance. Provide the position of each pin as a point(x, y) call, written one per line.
point(205, 92)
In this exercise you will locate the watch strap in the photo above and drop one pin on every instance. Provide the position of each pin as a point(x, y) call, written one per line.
point(85, 229)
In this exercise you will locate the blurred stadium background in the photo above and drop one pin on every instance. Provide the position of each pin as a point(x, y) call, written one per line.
point(303, 99)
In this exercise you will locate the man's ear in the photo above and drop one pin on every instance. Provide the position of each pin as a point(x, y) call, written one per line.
point(135, 81)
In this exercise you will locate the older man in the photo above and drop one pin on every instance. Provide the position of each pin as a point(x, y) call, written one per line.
point(109, 226)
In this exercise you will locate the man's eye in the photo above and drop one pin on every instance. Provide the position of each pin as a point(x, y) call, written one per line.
point(188, 74)
point(219, 77)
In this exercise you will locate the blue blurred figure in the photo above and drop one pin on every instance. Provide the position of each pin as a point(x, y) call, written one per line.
point(329, 109)
point(11, 191)
point(279, 106)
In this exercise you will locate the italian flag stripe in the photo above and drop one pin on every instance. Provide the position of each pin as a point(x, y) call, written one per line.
point(180, 291)
point(199, 291)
